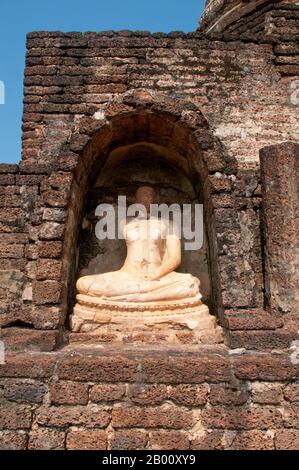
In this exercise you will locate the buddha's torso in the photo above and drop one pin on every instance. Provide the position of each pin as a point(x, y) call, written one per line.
point(145, 239)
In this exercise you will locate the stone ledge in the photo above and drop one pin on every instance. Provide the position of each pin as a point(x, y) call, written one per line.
point(153, 365)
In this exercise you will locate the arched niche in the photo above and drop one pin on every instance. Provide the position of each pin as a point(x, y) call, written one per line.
point(178, 137)
point(127, 168)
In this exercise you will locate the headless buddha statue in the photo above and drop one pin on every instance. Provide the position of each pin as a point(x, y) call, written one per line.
point(148, 274)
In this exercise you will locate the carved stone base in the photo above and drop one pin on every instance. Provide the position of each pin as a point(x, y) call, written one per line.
point(172, 322)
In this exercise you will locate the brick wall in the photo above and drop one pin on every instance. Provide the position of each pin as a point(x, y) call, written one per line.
point(127, 400)
point(216, 102)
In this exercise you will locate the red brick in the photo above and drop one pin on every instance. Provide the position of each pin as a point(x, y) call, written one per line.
point(208, 440)
point(107, 392)
point(49, 249)
point(148, 394)
point(48, 269)
point(166, 417)
point(186, 369)
point(291, 392)
point(265, 367)
point(169, 440)
point(25, 390)
point(221, 417)
point(28, 365)
point(224, 395)
point(19, 339)
point(46, 292)
point(46, 439)
point(266, 393)
point(254, 319)
point(62, 416)
point(189, 395)
point(134, 439)
point(262, 340)
point(11, 251)
point(287, 439)
point(253, 440)
point(98, 368)
point(10, 440)
point(86, 440)
point(15, 417)
point(69, 393)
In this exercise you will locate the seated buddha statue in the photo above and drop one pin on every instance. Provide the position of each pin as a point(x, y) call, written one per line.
point(148, 274)
point(147, 292)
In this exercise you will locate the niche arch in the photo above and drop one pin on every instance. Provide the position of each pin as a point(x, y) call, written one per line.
point(180, 132)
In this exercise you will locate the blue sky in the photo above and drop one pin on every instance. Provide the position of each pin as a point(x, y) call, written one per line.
point(17, 17)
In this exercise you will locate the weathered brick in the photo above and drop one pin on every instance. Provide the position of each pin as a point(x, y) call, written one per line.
point(209, 439)
point(31, 365)
point(221, 417)
point(225, 395)
point(46, 439)
point(98, 369)
point(169, 440)
point(189, 395)
point(134, 439)
point(17, 339)
point(62, 416)
point(253, 440)
point(48, 269)
point(148, 394)
point(49, 249)
point(186, 369)
point(166, 416)
point(291, 392)
point(26, 390)
point(46, 292)
point(265, 367)
point(287, 439)
point(107, 392)
point(11, 440)
point(15, 417)
point(69, 393)
point(266, 393)
point(86, 440)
